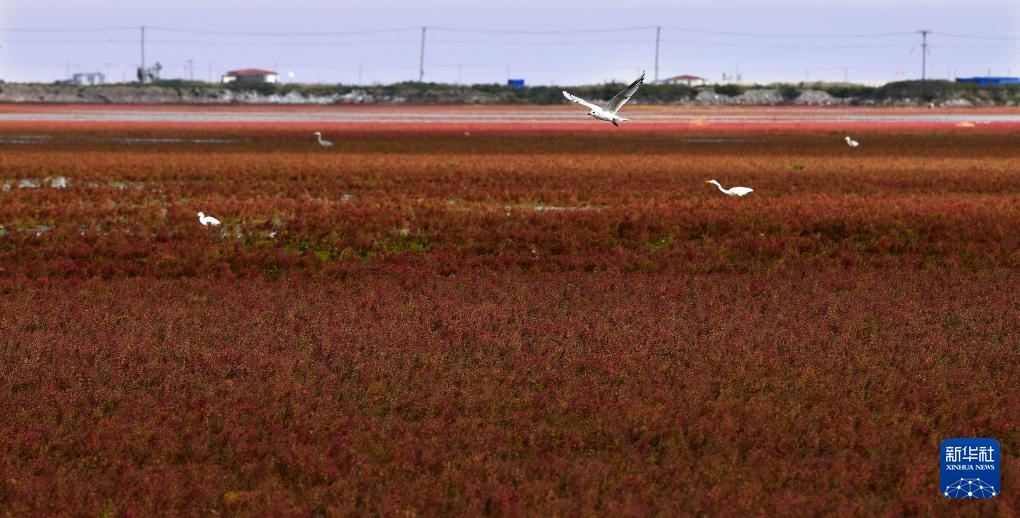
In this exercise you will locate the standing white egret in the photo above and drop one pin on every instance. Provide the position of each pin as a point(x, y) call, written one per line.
point(851, 142)
point(324, 143)
point(732, 191)
point(207, 220)
point(609, 112)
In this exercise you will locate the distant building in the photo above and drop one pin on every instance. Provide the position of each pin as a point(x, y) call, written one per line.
point(251, 76)
point(88, 78)
point(686, 80)
point(989, 80)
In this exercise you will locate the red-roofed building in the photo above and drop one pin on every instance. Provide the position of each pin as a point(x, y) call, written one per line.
point(251, 76)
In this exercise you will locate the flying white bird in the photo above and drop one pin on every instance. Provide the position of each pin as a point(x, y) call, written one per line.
point(207, 220)
point(733, 191)
point(851, 142)
point(609, 112)
point(324, 143)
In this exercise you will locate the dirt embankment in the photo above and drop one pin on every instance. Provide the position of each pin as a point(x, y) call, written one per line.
point(417, 93)
point(114, 94)
point(156, 94)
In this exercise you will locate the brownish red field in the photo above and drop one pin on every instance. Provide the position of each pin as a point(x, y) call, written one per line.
point(509, 318)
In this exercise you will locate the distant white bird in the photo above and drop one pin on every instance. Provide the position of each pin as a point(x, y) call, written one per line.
point(324, 143)
point(207, 220)
point(732, 191)
point(851, 142)
point(609, 112)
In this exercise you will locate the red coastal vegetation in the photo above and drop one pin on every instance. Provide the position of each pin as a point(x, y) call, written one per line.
point(503, 319)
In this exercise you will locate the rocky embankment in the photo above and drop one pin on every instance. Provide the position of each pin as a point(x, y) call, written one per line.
point(450, 94)
point(134, 94)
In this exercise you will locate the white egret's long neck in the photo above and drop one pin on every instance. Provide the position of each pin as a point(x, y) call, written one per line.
point(320, 138)
point(720, 187)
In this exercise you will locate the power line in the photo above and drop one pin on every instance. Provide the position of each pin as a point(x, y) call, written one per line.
point(971, 47)
point(480, 42)
point(830, 69)
point(772, 46)
point(282, 44)
point(777, 35)
point(245, 43)
point(284, 34)
point(574, 31)
point(512, 37)
point(108, 40)
point(586, 42)
point(92, 29)
point(506, 31)
point(974, 36)
point(905, 59)
point(490, 42)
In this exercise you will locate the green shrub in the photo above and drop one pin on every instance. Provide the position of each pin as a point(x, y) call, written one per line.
point(789, 92)
point(731, 90)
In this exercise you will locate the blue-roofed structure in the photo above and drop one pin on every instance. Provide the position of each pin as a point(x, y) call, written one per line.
point(989, 80)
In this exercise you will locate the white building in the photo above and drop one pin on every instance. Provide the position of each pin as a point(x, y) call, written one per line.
point(88, 78)
point(251, 76)
point(686, 80)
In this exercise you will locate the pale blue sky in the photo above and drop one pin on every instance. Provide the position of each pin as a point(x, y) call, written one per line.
point(540, 58)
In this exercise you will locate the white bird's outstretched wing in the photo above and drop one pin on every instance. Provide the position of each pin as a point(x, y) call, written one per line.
point(575, 99)
point(621, 98)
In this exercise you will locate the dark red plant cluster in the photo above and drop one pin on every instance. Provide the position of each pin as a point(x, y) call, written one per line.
point(456, 319)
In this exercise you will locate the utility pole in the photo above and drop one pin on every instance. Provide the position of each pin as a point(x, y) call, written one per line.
point(658, 32)
point(421, 59)
point(142, 78)
point(924, 65)
point(924, 54)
